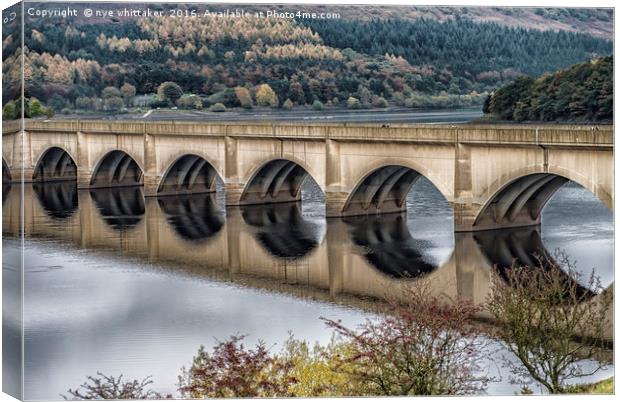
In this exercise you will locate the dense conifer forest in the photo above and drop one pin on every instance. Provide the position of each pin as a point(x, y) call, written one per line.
point(220, 63)
point(581, 93)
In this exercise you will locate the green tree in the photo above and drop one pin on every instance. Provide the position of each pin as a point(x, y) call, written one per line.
point(169, 91)
point(487, 105)
point(505, 99)
point(57, 102)
point(9, 111)
point(317, 105)
point(380, 102)
point(287, 105)
point(35, 108)
point(111, 92)
point(113, 104)
point(129, 92)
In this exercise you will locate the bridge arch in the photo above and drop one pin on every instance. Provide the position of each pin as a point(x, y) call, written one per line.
point(383, 188)
point(274, 181)
point(188, 174)
point(117, 169)
point(55, 164)
point(519, 201)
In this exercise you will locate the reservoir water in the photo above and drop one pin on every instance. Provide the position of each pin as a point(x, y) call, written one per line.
point(123, 284)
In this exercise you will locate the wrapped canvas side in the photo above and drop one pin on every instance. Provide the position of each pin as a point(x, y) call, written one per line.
point(12, 205)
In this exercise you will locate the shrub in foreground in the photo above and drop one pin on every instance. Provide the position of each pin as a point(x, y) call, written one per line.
point(540, 311)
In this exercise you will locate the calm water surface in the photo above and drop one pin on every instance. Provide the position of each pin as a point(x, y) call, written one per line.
point(122, 284)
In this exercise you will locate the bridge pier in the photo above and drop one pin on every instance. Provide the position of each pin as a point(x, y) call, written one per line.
point(334, 203)
point(464, 216)
point(151, 184)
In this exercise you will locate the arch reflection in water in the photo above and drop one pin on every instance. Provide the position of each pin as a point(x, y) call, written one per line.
point(6, 181)
point(58, 199)
point(122, 208)
point(522, 247)
point(282, 229)
point(195, 217)
point(389, 246)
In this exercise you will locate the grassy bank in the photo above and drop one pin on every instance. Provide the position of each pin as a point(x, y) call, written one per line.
point(602, 387)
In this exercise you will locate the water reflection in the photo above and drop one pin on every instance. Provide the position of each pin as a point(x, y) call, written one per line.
point(520, 247)
point(389, 246)
point(508, 247)
point(196, 218)
point(163, 275)
point(6, 188)
point(282, 229)
point(122, 208)
point(58, 199)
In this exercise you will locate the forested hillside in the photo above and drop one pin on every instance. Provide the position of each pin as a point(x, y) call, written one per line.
point(285, 63)
point(581, 93)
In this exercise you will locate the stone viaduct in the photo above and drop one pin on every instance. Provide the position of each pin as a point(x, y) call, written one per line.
point(494, 176)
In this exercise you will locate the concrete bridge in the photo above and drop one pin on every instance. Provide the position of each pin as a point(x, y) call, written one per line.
point(494, 176)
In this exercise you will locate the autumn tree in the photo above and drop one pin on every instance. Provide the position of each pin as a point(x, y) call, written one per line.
point(265, 96)
point(319, 370)
point(540, 311)
point(422, 346)
point(232, 371)
point(102, 386)
point(169, 91)
point(244, 97)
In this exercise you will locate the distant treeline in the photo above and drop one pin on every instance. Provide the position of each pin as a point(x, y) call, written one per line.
point(583, 92)
point(344, 63)
point(475, 52)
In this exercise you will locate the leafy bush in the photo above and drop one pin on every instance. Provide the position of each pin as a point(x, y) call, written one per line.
point(380, 102)
point(317, 105)
point(218, 107)
point(155, 103)
point(353, 103)
point(287, 105)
